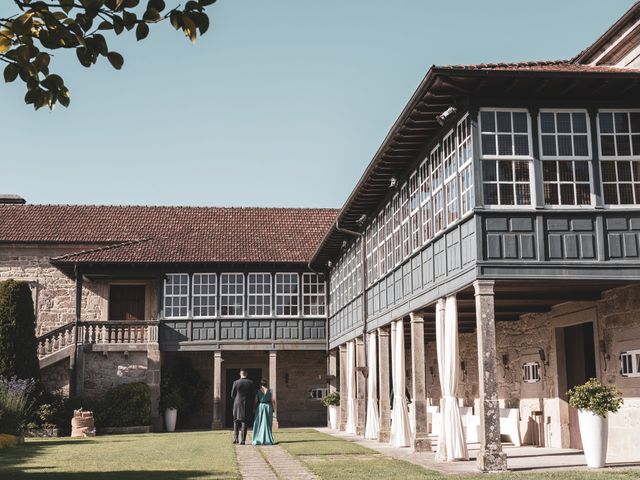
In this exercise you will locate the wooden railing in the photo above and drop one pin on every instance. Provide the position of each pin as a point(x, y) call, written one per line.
point(55, 340)
point(118, 331)
point(98, 332)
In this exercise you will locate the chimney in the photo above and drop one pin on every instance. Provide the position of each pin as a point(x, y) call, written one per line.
point(10, 199)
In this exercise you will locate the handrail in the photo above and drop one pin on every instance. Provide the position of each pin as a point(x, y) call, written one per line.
point(56, 330)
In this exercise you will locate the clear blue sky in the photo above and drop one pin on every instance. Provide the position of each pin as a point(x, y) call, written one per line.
point(281, 103)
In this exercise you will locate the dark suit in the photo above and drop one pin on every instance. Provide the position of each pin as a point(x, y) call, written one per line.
point(243, 394)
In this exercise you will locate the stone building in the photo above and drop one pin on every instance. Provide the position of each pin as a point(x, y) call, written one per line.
point(487, 260)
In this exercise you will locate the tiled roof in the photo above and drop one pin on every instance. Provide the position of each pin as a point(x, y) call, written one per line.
point(135, 234)
point(540, 66)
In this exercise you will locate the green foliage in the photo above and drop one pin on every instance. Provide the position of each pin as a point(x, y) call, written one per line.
point(170, 396)
point(17, 404)
point(181, 378)
point(18, 345)
point(39, 27)
point(126, 405)
point(595, 397)
point(331, 400)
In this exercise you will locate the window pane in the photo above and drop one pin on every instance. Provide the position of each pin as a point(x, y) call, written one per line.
point(523, 194)
point(606, 122)
point(521, 144)
point(580, 145)
point(635, 167)
point(564, 146)
point(564, 122)
point(506, 194)
point(549, 172)
point(566, 194)
point(608, 171)
point(522, 171)
point(607, 145)
point(488, 121)
point(566, 171)
point(635, 140)
point(520, 122)
point(504, 121)
point(505, 172)
point(610, 194)
point(579, 122)
point(547, 122)
point(488, 144)
point(624, 171)
point(626, 194)
point(622, 145)
point(504, 145)
point(491, 194)
point(550, 194)
point(583, 194)
point(489, 171)
point(621, 122)
point(635, 122)
point(582, 171)
point(549, 145)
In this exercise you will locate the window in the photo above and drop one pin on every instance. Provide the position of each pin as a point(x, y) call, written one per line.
point(357, 277)
point(259, 294)
point(382, 259)
point(414, 206)
point(313, 294)
point(630, 363)
point(564, 134)
point(450, 164)
point(176, 295)
point(388, 209)
point(504, 133)
point(204, 294)
point(404, 212)
point(506, 182)
point(374, 251)
point(435, 162)
point(619, 134)
point(465, 157)
point(566, 182)
point(425, 202)
point(231, 294)
point(531, 372)
point(287, 291)
point(367, 245)
point(397, 243)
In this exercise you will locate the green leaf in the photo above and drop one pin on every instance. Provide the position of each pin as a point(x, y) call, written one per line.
point(116, 60)
point(158, 5)
point(206, 3)
point(11, 73)
point(151, 15)
point(66, 5)
point(142, 30)
point(105, 25)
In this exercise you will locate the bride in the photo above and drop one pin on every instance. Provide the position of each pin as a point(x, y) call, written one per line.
point(262, 434)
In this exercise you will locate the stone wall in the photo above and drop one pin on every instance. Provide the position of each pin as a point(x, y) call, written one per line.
point(56, 377)
point(101, 371)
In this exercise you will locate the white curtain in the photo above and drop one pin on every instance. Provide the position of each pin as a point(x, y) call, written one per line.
point(373, 422)
point(351, 387)
point(400, 431)
point(451, 443)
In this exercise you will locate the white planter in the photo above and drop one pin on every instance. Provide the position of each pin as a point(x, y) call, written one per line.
point(593, 432)
point(170, 417)
point(333, 417)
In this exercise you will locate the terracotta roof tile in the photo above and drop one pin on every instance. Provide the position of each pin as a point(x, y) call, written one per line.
point(541, 66)
point(133, 234)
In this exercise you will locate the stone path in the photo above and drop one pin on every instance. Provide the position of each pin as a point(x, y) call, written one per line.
point(270, 463)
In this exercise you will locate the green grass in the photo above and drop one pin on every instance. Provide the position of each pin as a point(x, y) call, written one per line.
point(312, 442)
point(164, 456)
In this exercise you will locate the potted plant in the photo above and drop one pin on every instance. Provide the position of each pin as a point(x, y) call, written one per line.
point(332, 402)
point(170, 401)
point(594, 401)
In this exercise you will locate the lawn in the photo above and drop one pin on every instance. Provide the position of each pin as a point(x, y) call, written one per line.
point(163, 456)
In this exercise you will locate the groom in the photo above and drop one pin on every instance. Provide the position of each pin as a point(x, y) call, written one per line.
point(243, 394)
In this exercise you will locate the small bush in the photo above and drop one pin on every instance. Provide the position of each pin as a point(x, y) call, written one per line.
point(187, 382)
point(17, 404)
point(127, 405)
point(594, 397)
point(331, 400)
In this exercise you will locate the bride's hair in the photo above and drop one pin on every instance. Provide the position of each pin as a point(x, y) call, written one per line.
point(263, 383)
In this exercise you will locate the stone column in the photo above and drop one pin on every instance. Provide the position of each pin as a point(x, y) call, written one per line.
point(361, 386)
point(384, 402)
point(332, 366)
point(273, 373)
point(343, 388)
point(421, 442)
point(217, 423)
point(490, 457)
point(153, 380)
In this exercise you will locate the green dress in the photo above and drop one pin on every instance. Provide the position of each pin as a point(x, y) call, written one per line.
point(262, 434)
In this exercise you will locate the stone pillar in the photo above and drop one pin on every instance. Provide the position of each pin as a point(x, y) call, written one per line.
point(384, 401)
point(490, 457)
point(343, 388)
point(361, 386)
point(421, 442)
point(153, 380)
point(332, 365)
point(217, 423)
point(273, 373)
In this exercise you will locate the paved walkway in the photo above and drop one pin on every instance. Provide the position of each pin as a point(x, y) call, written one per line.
point(270, 463)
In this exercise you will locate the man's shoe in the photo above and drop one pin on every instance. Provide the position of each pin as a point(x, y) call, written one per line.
point(235, 442)
point(241, 443)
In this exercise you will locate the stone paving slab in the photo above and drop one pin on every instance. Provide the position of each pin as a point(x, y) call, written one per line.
point(270, 463)
point(252, 464)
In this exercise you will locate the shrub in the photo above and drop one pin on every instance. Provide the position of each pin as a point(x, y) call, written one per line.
point(331, 400)
point(187, 382)
point(17, 403)
point(170, 396)
point(18, 345)
point(595, 397)
point(126, 405)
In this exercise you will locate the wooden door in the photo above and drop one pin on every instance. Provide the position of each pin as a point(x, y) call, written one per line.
point(126, 302)
point(580, 365)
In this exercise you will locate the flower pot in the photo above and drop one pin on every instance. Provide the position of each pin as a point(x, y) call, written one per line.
point(593, 431)
point(170, 417)
point(333, 417)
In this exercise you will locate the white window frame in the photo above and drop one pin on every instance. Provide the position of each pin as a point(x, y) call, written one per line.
point(502, 157)
point(208, 296)
point(320, 282)
point(388, 226)
point(287, 295)
point(397, 237)
point(382, 256)
point(172, 295)
point(572, 134)
point(415, 230)
point(405, 217)
point(630, 358)
point(531, 372)
point(437, 191)
point(426, 202)
point(234, 295)
point(466, 165)
point(269, 295)
point(450, 179)
point(373, 227)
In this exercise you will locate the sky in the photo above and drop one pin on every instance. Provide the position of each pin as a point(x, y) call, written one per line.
point(283, 103)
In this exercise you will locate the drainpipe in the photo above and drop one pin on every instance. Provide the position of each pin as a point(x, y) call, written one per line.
point(364, 288)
